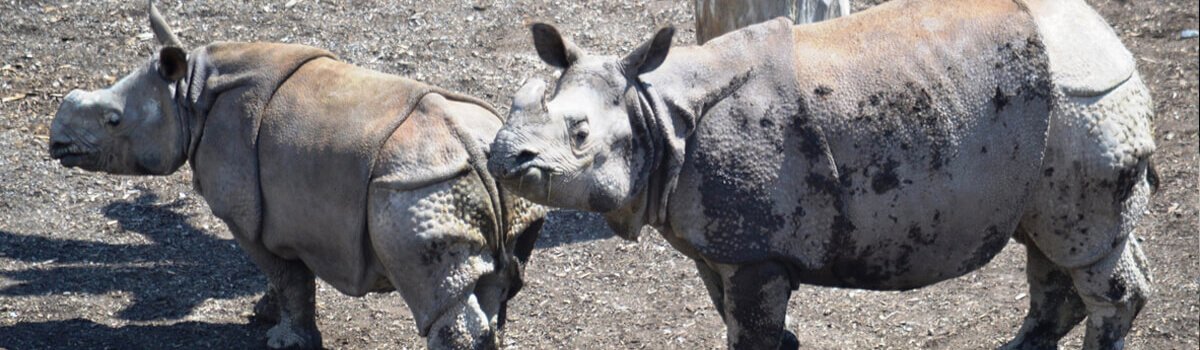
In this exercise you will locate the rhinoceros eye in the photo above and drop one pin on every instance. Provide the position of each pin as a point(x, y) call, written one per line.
point(112, 118)
point(579, 132)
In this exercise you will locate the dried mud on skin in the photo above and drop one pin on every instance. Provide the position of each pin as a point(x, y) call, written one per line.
point(98, 261)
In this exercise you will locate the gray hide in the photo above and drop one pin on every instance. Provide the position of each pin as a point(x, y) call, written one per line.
point(370, 181)
point(889, 150)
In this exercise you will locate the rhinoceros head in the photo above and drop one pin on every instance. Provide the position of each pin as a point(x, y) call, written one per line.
point(131, 127)
point(577, 148)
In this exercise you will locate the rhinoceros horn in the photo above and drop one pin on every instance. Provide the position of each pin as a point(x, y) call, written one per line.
point(529, 98)
point(162, 31)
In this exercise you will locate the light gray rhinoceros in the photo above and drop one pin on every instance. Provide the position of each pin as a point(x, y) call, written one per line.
point(888, 150)
point(369, 181)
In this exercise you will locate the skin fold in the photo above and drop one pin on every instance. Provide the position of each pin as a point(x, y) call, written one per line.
point(888, 150)
point(369, 181)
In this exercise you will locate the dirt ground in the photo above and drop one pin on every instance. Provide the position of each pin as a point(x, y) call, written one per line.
point(97, 261)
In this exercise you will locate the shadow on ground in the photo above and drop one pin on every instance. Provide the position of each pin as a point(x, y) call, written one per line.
point(85, 334)
point(570, 227)
point(167, 279)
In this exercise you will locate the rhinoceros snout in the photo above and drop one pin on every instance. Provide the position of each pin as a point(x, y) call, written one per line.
point(63, 146)
point(508, 162)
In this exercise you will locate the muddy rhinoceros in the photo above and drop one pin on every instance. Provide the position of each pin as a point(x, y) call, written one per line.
point(888, 150)
point(370, 181)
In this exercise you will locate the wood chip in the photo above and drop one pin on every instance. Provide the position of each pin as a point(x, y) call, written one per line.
point(14, 97)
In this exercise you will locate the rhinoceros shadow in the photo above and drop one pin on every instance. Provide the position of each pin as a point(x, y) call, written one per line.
point(166, 279)
point(565, 227)
point(85, 334)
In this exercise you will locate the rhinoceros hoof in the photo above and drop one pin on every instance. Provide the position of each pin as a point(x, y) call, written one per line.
point(789, 341)
point(284, 336)
point(1021, 344)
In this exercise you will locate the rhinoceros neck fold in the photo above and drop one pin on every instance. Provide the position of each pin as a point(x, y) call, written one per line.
point(651, 131)
point(188, 122)
point(673, 100)
point(664, 116)
point(226, 74)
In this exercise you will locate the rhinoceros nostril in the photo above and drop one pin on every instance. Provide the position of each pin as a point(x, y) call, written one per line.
point(525, 156)
point(59, 148)
point(59, 145)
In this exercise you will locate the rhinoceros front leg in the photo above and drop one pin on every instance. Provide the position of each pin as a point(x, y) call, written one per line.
point(754, 300)
point(291, 288)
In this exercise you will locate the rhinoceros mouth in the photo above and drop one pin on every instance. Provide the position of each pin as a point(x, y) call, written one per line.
point(529, 181)
point(70, 155)
point(61, 150)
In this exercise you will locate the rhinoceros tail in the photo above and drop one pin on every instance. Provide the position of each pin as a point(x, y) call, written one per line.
point(460, 97)
point(1152, 175)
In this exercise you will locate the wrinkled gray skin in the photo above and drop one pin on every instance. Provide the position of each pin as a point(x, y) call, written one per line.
point(334, 183)
point(885, 159)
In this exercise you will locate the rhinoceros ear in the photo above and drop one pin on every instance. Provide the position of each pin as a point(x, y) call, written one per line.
point(650, 54)
point(172, 63)
point(162, 31)
point(552, 47)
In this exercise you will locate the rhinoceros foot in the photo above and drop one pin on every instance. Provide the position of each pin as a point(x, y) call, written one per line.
point(287, 336)
point(789, 341)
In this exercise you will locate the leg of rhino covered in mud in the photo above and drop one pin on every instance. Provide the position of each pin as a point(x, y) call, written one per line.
point(1054, 306)
point(1114, 289)
point(463, 326)
point(292, 288)
point(755, 302)
point(513, 279)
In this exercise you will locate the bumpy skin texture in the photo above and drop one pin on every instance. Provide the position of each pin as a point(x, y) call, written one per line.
point(823, 167)
point(390, 199)
point(369, 181)
point(887, 150)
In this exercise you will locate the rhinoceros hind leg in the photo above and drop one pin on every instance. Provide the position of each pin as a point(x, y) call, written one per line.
point(1096, 184)
point(430, 240)
point(755, 303)
point(1054, 306)
point(1114, 289)
point(465, 326)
